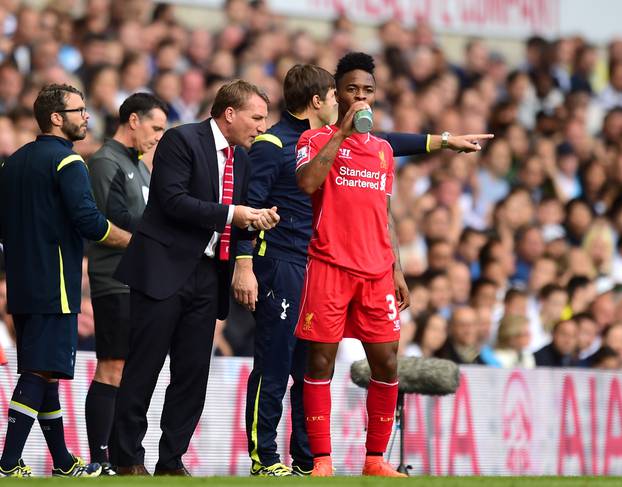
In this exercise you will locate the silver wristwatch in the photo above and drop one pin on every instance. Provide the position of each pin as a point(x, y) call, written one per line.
point(445, 140)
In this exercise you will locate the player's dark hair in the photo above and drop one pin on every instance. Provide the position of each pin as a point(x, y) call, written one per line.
point(302, 82)
point(52, 98)
point(140, 104)
point(353, 61)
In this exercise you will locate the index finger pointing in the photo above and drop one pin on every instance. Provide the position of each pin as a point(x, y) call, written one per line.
point(480, 136)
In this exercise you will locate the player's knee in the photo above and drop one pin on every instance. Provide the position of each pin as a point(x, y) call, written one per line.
point(385, 370)
point(320, 366)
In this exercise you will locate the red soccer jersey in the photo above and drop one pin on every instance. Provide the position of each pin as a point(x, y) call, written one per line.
point(350, 223)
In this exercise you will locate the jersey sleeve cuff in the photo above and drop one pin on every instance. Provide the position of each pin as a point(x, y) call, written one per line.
point(241, 257)
point(107, 231)
point(427, 142)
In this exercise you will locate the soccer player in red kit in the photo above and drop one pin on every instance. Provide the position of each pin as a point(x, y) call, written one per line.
point(354, 285)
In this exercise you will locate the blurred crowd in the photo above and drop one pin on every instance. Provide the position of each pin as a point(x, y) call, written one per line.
point(512, 255)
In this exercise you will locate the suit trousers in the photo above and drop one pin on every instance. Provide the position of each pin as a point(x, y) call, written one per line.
point(182, 326)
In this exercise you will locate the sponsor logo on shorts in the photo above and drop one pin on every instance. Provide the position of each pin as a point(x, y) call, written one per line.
point(387, 419)
point(308, 324)
point(396, 325)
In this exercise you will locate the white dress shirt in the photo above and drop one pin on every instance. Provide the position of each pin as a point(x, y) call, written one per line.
point(221, 148)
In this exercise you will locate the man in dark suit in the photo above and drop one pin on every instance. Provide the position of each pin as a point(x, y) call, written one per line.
point(178, 269)
point(562, 350)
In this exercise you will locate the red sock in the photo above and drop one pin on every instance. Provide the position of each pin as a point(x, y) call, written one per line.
point(316, 400)
point(381, 402)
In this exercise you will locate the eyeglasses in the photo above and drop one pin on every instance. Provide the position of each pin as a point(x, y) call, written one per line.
point(68, 110)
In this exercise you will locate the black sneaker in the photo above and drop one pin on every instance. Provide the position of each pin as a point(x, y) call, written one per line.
point(107, 470)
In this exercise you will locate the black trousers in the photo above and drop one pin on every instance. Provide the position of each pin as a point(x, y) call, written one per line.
point(182, 326)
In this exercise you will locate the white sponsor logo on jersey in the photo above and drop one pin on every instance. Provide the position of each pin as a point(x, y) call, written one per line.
point(344, 153)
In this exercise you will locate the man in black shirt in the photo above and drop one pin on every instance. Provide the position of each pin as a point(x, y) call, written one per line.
point(120, 182)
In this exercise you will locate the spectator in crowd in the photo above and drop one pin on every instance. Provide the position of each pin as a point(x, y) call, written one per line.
point(589, 340)
point(612, 337)
point(562, 350)
point(545, 313)
point(461, 345)
point(512, 341)
point(606, 358)
point(430, 335)
point(459, 282)
point(581, 293)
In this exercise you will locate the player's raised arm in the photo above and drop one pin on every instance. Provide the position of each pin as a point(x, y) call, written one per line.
point(310, 175)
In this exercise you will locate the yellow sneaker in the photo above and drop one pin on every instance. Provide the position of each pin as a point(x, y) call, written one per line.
point(274, 470)
point(19, 470)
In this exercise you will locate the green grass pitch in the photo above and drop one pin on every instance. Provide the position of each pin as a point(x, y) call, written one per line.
point(330, 482)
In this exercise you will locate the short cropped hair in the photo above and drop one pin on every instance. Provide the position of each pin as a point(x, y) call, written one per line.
point(302, 83)
point(52, 98)
point(235, 94)
point(140, 104)
point(353, 61)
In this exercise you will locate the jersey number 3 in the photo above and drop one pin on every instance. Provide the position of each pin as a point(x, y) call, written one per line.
point(392, 309)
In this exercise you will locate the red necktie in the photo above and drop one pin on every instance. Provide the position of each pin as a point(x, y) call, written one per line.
point(227, 199)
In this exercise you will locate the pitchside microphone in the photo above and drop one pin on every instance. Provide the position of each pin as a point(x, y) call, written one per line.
point(426, 376)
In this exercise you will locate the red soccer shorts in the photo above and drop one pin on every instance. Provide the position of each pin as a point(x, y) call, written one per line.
point(337, 304)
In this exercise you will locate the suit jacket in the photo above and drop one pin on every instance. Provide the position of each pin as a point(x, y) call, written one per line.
point(549, 356)
point(182, 214)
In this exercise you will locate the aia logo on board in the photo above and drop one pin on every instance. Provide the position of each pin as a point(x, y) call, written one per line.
point(517, 424)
